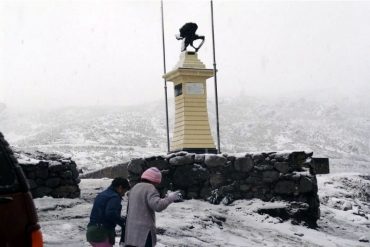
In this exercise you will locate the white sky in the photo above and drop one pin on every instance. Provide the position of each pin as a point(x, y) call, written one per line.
point(59, 53)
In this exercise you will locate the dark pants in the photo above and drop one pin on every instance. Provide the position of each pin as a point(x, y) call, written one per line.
point(148, 242)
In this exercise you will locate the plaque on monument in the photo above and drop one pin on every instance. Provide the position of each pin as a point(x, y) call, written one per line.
point(194, 88)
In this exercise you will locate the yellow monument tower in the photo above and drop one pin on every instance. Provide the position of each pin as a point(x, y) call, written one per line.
point(192, 131)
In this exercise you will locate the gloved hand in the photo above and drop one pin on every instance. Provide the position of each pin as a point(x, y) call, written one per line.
point(175, 196)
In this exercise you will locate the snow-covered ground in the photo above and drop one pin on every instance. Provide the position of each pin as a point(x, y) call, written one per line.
point(345, 219)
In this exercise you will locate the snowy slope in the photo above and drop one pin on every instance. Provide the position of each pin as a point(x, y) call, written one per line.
point(338, 128)
point(198, 223)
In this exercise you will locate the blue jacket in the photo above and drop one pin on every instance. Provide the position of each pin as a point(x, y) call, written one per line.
point(107, 208)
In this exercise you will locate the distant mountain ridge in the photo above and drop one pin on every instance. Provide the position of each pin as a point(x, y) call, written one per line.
point(101, 136)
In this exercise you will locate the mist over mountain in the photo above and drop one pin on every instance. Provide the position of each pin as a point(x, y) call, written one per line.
point(336, 127)
point(2, 107)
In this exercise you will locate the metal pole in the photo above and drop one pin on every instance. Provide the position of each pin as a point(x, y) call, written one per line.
point(165, 81)
point(215, 78)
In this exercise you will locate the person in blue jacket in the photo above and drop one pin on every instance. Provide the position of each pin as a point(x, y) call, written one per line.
point(106, 214)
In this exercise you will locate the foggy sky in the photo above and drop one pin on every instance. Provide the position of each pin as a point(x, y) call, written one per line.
point(61, 53)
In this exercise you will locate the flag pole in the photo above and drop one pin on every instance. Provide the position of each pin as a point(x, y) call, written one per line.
point(215, 79)
point(165, 81)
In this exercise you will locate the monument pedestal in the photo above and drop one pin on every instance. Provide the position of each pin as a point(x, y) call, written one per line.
point(192, 131)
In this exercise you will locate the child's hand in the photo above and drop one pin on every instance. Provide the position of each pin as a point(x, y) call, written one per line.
point(175, 196)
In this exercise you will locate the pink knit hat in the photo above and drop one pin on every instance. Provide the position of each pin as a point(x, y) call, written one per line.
point(153, 175)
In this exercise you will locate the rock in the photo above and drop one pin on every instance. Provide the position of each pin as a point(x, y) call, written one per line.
point(181, 153)
point(261, 192)
point(227, 200)
point(32, 183)
point(161, 164)
point(133, 179)
point(314, 208)
point(212, 160)
point(52, 182)
point(305, 185)
point(56, 166)
point(364, 239)
point(189, 175)
point(280, 157)
point(181, 160)
point(75, 173)
point(285, 187)
point(296, 160)
point(347, 206)
point(270, 176)
point(44, 163)
point(200, 173)
point(254, 178)
point(257, 158)
point(237, 175)
point(243, 164)
point(67, 191)
point(291, 176)
point(231, 159)
point(221, 193)
point(67, 175)
point(245, 187)
point(169, 156)
point(42, 173)
point(183, 177)
point(199, 158)
point(136, 166)
point(205, 192)
point(41, 192)
point(217, 179)
point(277, 211)
point(150, 158)
point(50, 156)
point(263, 166)
point(298, 157)
point(282, 167)
point(192, 195)
point(72, 164)
point(68, 181)
point(40, 182)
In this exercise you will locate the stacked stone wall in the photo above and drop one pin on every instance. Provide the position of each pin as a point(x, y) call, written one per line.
point(51, 175)
point(287, 176)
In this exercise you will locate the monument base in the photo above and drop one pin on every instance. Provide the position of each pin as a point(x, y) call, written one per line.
point(197, 150)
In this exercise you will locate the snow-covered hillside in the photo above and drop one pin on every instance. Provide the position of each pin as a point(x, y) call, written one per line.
point(345, 219)
point(338, 128)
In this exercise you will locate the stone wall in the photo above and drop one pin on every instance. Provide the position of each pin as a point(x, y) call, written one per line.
point(224, 178)
point(50, 175)
point(119, 170)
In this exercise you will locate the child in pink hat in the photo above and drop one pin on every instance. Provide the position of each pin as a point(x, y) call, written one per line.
point(144, 201)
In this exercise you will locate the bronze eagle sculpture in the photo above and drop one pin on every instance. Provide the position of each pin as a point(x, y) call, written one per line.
point(188, 35)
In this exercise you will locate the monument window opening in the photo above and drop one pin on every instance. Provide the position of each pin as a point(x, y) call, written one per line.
point(178, 90)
